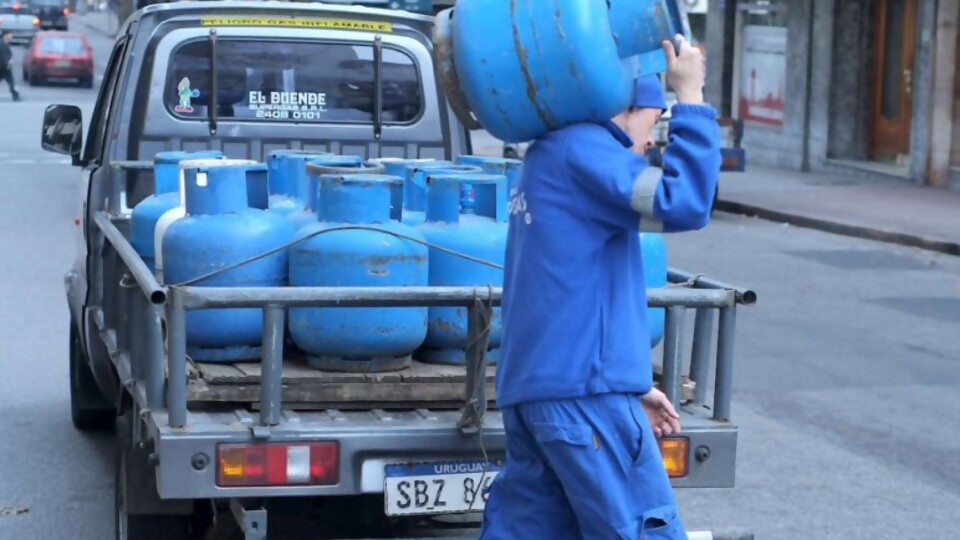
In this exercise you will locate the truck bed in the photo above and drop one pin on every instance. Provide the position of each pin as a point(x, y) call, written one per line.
point(422, 385)
point(306, 388)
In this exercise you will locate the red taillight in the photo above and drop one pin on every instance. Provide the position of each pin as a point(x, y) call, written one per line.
point(278, 464)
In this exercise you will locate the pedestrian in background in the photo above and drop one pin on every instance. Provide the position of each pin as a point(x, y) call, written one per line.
point(6, 63)
point(575, 375)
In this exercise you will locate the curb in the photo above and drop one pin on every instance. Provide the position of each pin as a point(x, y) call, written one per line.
point(845, 229)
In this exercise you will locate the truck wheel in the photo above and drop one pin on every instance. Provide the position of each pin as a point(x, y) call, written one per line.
point(139, 526)
point(88, 408)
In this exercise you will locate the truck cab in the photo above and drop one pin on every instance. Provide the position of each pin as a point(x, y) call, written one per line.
point(248, 79)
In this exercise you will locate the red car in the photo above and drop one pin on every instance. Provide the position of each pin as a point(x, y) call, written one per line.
point(59, 55)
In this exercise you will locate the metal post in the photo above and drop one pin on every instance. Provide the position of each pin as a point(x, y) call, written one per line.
point(672, 340)
point(177, 361)
point(271, 370)
point(724, 382)
point(700, 354)
point(153, 354)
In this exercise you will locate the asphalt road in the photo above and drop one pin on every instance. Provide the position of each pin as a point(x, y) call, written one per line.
point(847, 378)
point(847, 384)
point(62, 479)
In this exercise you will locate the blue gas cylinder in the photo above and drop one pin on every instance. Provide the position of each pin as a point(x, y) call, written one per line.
point(495, 165)
point(330, 164)
point(398, 167)
point(258, 186)
point(482, 234)
point(304, 185)
point(189, 168)
point(166, 195)
point(654, 251)
point(292, 165)
point(415, 186)
point(358, 339)
point(287, 178)
point(220, 229)
point(526, 68)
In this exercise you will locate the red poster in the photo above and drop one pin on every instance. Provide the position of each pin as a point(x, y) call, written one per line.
point(763, 74)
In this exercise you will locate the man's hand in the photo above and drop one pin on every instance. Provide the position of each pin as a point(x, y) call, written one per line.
point(685, 70)
point(660, 412)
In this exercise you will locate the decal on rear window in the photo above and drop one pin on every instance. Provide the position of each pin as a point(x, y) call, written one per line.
point(288, 105)
point(186, 95)
point(300, 22)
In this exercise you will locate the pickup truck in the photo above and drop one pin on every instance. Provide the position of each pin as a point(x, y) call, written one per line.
point(382, 447)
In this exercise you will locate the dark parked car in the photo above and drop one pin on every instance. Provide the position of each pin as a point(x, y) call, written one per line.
point(52, 13)
point(59, 55)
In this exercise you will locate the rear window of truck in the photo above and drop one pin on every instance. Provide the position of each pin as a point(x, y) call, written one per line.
point(292, 81)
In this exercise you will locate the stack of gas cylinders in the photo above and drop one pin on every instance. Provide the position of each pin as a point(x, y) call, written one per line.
point(314, 219)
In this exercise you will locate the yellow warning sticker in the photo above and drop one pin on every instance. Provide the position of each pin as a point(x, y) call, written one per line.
point(299, 22)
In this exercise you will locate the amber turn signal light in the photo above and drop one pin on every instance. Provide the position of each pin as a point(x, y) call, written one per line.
point(676, 455)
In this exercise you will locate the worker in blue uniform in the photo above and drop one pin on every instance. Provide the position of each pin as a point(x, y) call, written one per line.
point(575, 376)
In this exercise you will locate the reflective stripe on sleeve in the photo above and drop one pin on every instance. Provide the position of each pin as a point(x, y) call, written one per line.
point(643, 196)
point(645, 190)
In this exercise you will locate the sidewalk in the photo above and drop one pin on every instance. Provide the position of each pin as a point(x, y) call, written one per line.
point(853, 205)
point(103, 22)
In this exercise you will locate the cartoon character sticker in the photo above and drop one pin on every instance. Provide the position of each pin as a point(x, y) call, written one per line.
point(186, 94)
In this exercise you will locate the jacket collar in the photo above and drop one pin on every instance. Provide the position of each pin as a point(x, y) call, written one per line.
point(618, 134)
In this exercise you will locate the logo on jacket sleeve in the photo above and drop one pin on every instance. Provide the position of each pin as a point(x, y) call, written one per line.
point(518, 205)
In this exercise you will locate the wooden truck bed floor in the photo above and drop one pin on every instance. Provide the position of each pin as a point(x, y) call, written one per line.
point(304, 388)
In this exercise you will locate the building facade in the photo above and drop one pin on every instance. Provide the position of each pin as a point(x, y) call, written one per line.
point(821, 84)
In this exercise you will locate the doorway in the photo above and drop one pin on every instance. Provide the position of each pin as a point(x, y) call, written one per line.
point(895, 32)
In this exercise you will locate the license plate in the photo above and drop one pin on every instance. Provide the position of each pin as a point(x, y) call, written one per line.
point(62, 63)
point(436, 488)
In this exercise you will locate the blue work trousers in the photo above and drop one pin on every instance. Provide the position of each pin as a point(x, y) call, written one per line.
point(581, 469)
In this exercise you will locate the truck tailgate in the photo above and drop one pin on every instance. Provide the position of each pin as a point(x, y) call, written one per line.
point(368, 441)
point(16, 20)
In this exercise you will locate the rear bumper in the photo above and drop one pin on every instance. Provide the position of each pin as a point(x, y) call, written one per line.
point(53, 23)
point(63, 73)
point(370, 440)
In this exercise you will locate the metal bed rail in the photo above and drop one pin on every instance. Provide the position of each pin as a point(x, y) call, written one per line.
point(138, 315)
